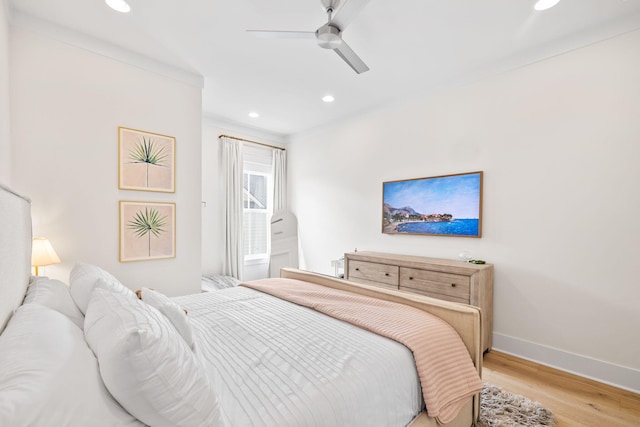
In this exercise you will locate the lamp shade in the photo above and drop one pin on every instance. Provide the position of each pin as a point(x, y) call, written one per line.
point(42, 253)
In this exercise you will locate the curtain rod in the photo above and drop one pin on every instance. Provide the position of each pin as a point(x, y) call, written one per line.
point(252, 142)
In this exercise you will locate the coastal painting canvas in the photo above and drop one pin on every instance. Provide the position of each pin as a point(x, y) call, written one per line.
point(147, 231)
point(146, 161)
point(448, 205)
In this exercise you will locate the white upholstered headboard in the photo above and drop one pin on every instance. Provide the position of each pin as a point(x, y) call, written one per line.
point(15, 251)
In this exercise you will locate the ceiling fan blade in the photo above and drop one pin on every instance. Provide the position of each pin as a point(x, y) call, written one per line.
point(347, 13)
point(283, 34)
point(350, 57)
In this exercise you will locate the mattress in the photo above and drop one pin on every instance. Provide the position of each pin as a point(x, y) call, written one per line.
point(275, 363)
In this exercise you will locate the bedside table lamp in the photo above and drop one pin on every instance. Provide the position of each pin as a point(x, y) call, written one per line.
point(42, 253)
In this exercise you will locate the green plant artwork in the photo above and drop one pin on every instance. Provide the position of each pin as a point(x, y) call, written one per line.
point(146, 161)
point(146, 224)
point(146, 151)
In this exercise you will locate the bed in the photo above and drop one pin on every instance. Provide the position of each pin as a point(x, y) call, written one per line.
point(212, 282)
point(94, 354)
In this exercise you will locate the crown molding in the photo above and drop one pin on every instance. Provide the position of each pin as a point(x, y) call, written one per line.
point(101, 47)
point(250, 131)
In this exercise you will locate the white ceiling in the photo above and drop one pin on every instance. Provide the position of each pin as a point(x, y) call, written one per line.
point(413, 47)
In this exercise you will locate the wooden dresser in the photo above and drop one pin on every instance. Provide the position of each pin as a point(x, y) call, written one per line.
point(445, 279)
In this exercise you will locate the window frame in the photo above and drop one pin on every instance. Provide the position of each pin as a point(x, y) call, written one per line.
point(266, 170)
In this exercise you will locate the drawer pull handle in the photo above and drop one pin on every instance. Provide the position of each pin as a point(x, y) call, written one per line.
point(453, 285)
point(410, 278)
point(386, 274)
point(357, 269)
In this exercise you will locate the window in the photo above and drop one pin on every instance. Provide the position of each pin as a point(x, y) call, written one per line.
point(257, 207)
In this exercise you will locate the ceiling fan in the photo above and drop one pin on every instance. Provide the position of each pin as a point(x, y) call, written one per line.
point(329, 36)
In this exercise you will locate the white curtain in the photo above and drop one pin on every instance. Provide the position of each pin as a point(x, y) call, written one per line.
point(285, 247)
point(279, 180)
point(232, 170)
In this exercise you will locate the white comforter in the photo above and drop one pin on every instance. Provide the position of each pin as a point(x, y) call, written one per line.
point(278, 364)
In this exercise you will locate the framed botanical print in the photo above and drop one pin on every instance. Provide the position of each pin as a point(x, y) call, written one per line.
point(147, 230)
point(146, 161)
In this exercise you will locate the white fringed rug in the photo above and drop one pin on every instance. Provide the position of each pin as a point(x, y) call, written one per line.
point(499, 408)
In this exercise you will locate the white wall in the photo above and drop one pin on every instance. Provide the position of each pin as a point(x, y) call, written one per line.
point(213, 195)
point(559, 144)
point(66, 106)
point(5, 134)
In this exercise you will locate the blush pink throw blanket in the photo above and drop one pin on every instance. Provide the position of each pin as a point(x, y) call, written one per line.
point(445, 369)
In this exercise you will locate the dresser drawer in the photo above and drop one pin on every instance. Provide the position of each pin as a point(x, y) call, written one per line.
point(446, 286)
point(374, 274)
point(446, 279)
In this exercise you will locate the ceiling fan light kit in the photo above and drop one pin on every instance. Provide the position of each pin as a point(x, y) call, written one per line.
point(329, 36)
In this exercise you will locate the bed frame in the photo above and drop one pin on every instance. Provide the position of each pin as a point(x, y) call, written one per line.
point(15, 251)
point(15, 274)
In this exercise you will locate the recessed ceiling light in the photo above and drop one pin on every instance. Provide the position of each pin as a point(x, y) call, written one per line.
point(254, 115)
point(545, 4)
point(328, 98)
point(119, 5)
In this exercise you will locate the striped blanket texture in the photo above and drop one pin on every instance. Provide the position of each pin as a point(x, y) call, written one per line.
point(447, 375)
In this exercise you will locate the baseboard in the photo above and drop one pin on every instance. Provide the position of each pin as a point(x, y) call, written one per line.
point(597, 370)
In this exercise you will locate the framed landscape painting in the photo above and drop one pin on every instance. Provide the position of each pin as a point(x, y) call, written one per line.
point(146, 161)
point(447, 205)
point(147, 231)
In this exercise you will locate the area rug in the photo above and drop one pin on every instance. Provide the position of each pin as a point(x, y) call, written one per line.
point(499, 408)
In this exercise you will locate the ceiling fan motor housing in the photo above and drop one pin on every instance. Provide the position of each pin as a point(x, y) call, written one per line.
point(328, 37)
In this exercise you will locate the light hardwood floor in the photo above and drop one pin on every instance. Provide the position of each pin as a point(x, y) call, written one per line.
point(575, 401)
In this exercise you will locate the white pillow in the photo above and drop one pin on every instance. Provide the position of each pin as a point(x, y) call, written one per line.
point(174, 313)
point(146, 365)
point(49, 376)
point(55, 295)
point(84, 277)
